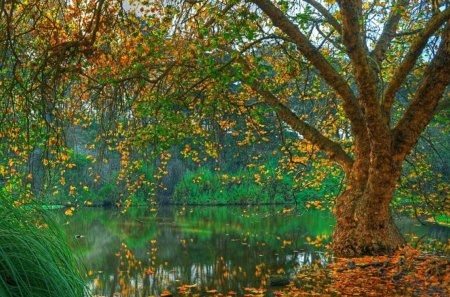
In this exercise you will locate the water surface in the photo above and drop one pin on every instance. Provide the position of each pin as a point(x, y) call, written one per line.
point(228, 249)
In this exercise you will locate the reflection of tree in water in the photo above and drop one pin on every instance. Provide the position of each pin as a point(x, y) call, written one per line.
point(210, 259)
point(214, 248)
point(220, 274)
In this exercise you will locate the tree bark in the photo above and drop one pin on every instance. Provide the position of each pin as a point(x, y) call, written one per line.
point(364, 224)
point(367, 235)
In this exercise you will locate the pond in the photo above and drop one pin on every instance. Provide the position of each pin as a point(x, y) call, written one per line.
point(202, 249)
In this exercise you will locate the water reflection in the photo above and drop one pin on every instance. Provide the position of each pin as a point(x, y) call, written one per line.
point(228, 249)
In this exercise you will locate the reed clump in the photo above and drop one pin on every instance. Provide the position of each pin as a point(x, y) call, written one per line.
point(35, 258)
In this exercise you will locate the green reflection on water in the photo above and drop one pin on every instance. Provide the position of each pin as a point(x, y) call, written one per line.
point(224, 248)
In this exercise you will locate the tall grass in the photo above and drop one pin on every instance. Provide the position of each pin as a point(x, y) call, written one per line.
point(35, 259)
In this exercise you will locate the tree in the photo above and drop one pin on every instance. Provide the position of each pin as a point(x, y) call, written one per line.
point(364, 223)
point(364, 66)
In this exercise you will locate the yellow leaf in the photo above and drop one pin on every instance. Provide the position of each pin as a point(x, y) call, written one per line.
point(69, 211)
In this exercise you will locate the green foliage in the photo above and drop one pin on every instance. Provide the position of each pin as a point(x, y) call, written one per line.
point(425, 183)
point(443, 220)
point(207, 187)
point(255, 185)
point(106, 192)
point(35, 259)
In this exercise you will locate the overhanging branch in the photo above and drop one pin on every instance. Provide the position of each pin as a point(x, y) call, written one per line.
point(333, 150)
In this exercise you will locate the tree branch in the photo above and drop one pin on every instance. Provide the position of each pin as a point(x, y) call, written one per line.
point(333, 150)
point(223, 12)
point(327, 38)
point(389, 32)
point(411, 57)
point(328, 16)
point(307, 49)
point(407, 33)
point(423, 107)
point(365, 75)
point(356, 50)
point(96, 20)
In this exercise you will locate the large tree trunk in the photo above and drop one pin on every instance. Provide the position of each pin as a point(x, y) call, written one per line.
point(364, 222)
point(360, 233)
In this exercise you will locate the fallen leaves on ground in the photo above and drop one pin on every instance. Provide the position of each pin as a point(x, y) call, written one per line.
point(409, 272)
